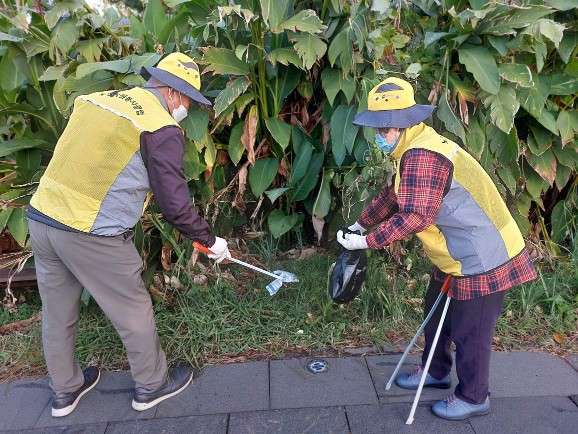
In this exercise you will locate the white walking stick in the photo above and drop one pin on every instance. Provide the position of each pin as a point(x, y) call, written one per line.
point(409, 420)
point(443, 291)
point(412, 342)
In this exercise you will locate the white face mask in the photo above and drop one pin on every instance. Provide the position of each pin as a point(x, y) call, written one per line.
point(180, 112)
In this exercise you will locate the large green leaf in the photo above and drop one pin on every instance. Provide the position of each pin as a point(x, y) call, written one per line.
point(503, 108)
point(544, 165)
point(449, 118)
point(343, 132)
point(155, 17)
point(18, 226)
point(309, 47)
point(274, 11)
point(567, 125)
point(230, 93)
point(279, 223)
point(516, 73)
point(224, 61)
point(480, 62)
point(9, 38)
point(568, 156)
point(476, 139)
point(130, 64)
point(53, 73)
point(309, 181)
point(10, 146)
point(261, 175)
point(539, 141)
point(305, 21)
point(333, 82)
point(548, 28)
point(236, 148)
point(517, 18)
point(431, 37)
point(196, 123)
point(562, 84)
point(322, 203)
point(301, 162)
point(532, 99)
point(341, 48)
point(568, 45)
point(276, 193)
point(285, 56)
point(280, 131)
point(12, 69)
point(192, 165)
point(63, 38)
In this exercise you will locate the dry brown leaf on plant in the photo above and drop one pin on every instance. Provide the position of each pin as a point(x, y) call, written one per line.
point(249, 133)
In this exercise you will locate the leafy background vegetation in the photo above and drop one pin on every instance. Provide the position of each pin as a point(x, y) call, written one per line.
point(278, 160)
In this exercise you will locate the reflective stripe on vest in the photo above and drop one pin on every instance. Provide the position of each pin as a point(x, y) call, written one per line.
point(474, 231)
point(96, 181)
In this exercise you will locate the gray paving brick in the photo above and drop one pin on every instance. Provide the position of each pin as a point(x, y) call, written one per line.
point(109, 401)
point(531, 374)
point(22, 402)
point(573, 360)
point(381, 368)
point(534, 415)
point(347, 381)
point(97, 428)
point(290, 421)
point(511, 374)
point(380, 419)
point(222, 389)
point(213, 424)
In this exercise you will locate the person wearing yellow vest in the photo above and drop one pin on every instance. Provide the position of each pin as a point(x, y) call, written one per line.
point(116, 148)
point(445, 197)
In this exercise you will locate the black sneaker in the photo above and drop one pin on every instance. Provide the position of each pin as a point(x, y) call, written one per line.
point(64, 403)
point(178, 379)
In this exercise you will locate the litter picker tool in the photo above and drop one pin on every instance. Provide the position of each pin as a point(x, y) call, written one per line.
point(444, 290)
point(280, 276)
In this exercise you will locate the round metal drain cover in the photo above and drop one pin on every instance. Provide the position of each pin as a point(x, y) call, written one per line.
point(317, 366)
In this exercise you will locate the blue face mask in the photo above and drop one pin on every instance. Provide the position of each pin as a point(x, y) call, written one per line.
point(383, 144)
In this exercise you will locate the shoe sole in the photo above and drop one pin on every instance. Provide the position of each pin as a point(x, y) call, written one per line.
point(61, 412)
point(142, 406)
point(429, 386)
point(478, 413)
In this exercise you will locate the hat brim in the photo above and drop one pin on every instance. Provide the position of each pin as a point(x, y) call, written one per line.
point(403, 118)
point(176, 83)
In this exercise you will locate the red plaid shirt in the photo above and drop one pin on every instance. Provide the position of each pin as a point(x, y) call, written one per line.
point(425, 179)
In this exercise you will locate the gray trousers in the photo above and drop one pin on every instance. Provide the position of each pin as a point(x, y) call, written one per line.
point(109, 268)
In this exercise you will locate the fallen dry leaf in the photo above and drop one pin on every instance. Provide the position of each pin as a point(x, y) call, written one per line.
point(559, 338)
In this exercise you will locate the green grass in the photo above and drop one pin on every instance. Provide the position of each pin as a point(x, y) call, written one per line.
point(220, 321)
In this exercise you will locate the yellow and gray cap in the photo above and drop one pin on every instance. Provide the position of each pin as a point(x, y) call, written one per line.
point(392, 104)
point(179, 71)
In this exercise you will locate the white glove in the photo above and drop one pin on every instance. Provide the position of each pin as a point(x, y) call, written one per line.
point(357, 227)
point(352, 241)
point(219, 250)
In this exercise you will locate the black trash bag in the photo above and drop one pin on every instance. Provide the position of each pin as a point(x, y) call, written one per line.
point(346, 275)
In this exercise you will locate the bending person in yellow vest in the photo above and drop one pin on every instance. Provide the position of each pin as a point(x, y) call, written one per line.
point(445, 197)
point(117, 147)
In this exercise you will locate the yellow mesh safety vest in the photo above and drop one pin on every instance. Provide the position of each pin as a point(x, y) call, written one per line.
point(474, 231)
point(102, 136)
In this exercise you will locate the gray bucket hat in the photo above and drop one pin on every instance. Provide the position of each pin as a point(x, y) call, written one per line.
point(179, 72)
point(391, 104)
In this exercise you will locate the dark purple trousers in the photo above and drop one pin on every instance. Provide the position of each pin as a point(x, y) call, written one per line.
point(470, 325)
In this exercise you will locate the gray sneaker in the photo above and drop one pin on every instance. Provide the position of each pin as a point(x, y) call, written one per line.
point(65, 403)
point(453, 408)
point(178, 379)
point(411, 380)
